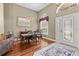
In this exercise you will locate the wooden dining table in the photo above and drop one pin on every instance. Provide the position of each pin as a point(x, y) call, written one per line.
point(27, 36)
point(30, 36)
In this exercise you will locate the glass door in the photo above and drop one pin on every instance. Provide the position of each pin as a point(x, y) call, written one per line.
point(68, 28)
point(58, 24)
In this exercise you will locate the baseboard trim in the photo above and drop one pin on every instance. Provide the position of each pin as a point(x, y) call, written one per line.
point(49, 39)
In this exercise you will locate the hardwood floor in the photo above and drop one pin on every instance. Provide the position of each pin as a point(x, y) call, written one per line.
point(25, 49)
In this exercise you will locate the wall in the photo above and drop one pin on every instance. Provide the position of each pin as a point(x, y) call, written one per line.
point(1, 18)
point(73, 10)
point(50, 10)
point(12, 11)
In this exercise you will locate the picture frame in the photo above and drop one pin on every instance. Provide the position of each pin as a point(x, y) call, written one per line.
point(23, 21)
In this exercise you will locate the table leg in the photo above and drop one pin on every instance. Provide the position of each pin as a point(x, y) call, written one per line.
point(28, 41)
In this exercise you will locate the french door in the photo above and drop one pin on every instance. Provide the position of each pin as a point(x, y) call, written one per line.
point(64, 28)
point(68, 28)
point(58, 26)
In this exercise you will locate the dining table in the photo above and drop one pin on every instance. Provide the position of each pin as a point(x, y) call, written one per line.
point(28, 36)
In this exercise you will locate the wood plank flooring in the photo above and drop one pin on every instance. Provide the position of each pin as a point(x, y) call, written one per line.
point(25, 49)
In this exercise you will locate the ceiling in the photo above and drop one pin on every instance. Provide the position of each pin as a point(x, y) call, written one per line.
point(65, 6)
point(34, 6)
point(39, 6)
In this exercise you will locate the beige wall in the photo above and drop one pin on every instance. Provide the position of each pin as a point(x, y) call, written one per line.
point(12, 11)
point(1, 18)
point(50, 10)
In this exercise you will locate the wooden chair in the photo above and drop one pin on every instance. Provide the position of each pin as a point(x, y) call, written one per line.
point(38, 35)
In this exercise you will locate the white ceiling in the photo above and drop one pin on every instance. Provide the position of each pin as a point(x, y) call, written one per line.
point(33, 6)
point(65, 6)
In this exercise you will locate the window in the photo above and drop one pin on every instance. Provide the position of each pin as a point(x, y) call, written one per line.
point(44, 25)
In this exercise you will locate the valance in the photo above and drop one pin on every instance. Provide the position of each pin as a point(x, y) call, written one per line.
point(44, 18)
